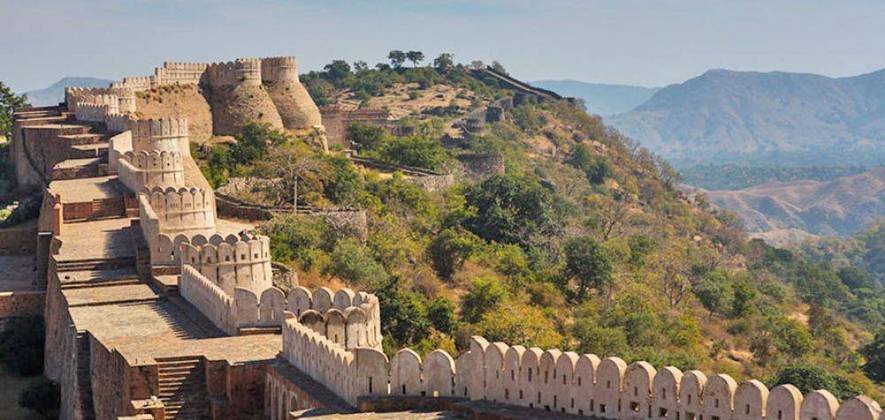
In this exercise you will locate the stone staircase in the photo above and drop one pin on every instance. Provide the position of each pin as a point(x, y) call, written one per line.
point(84, 377)
point(183, 387)
point(95, 264)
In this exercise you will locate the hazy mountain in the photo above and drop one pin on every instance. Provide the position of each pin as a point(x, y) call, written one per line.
point(54, 94)
point(778, 118)
point(601, 98)
point(839, 207)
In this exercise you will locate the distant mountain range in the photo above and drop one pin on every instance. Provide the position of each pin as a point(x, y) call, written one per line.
point(781, 211)
point(602, 99)
point(56, 93)
point(764, 118)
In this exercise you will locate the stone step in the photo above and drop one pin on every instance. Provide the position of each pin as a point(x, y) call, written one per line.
point(85, 138)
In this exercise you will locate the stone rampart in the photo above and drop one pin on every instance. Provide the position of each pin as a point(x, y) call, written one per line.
point(169, 134)
point(181, 209)
point(242, 71)
point(144, 170)
point(231, 262)
point(181, 73)
point(556, 381)
point(209, 299)
point(346, 318)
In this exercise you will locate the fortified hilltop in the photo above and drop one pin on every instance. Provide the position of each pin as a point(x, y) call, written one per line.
point(157, 308)
point(220, 98)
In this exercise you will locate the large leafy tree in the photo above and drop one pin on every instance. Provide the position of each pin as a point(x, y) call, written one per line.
point(9, 103)
point(875, 354)
point(512, 209)
point(397, 58)
point(415, 57)
point(444, 62)
point(587, 266)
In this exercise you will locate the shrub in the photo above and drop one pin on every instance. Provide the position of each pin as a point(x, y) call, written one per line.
point(352, 262)
point(808, 377)
point(484, 295)
point(520, 323)
point(441, 313)
point(449, 249)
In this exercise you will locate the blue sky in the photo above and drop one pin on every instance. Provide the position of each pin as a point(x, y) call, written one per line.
point(649, 43)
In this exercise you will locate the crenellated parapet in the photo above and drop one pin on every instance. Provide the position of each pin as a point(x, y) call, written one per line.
point(231, 262)
point(137, 83)
point(180, 73)
point(279, 69)
point(350, 319)
point(165, 134)
point(182, 209)
point(552, 380)
point(240, 72)
point(145, 170)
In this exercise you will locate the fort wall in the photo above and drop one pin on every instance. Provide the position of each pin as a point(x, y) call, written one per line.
point(556, 381)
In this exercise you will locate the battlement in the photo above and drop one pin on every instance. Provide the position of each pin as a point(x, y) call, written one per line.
point(231, 262)
point(347, 318)
point(279, 69)
point(137, 83)
point(143, 170)
point(89, 112)
point(181, 209)
point(242, 71)
point(555, 381)
point(169, 134)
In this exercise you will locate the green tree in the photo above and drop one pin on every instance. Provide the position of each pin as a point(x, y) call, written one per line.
point(714, 290)
point(9, 103)
point(441, 313)
point(444, 62)
point(484, 295)
point(595, 167)
point(417, 151)
point(587, 265)
point(449, 249)
point(415, 57)
point(874, 352)
point(337, 72)
point(365, 136)
point(402, 316)
point(352, 261)
point(808, 378)
point(512, 209)
point(254, 142)
point(520, 323)
point(397, 58)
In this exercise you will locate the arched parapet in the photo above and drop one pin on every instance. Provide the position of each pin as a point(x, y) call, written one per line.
point(719, 396)
point(343, 299)
point(439, 374)
point(169, 134)
point(609, 381)
point(322, 299)
point(749, 401)
point(336, 327)
point(405, 373)
point(233, 263)
point(513, 393)
point(546, 384)
point(183, 209)
point(299, 300)
point(820, 405)
point(637, 393)
point(530, 364)
point(357, 328)
point(208, 299)
point(314, 320)
point(471, 381)
point(271, 307)
point(279, 69)
point(665, 393)
point(691, 392)
point(240, 72)
point(370, 373)
point(494, 372)
point(859, 408)
point(564, 386)
point(585, 384)
point(246, 303)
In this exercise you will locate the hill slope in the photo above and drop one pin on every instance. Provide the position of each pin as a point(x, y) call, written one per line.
point(839, 207)
point(56, 92)
point(781, 118)
point(602, 99)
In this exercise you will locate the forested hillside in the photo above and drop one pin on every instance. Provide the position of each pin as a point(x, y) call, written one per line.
point(583, 243)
